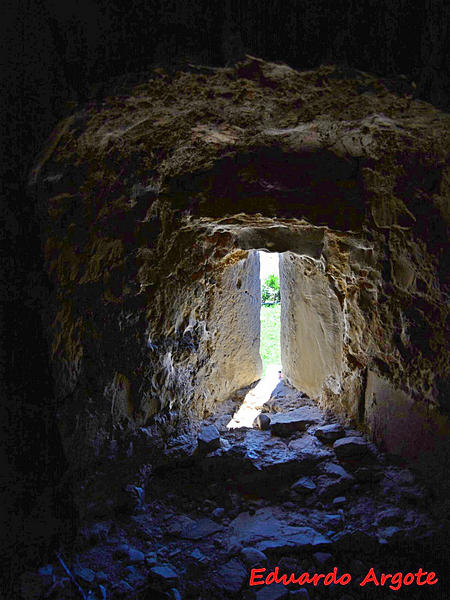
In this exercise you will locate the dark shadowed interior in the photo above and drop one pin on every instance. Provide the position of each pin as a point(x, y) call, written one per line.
point(148, 166)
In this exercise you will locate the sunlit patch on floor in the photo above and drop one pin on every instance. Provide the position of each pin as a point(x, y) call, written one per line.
point(255, 399)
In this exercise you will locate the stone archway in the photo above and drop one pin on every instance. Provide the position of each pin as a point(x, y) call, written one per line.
point(139, 225)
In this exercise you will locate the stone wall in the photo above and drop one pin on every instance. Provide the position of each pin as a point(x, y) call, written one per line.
point(312, 326)
point(148, 200)
point(233, 332)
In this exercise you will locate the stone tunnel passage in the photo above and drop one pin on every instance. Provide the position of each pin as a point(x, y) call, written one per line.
point(270, 341)
point(309, 337)
point(151, 203)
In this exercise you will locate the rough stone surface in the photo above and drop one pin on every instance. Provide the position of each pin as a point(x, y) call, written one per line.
point(330, 433)
point(230, 577)
point(164, 575)
point(284, 424)
point(209, 438)
point(270, 534)
point(304, 485)
point(351, 447)
point(262, 421)
point(252, 556)
point(312, 326)
point(152, 204)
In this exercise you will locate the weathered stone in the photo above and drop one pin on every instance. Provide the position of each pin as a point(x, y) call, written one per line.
point(164, 575)
point(218, 512)
point(351, 447)
point(336, 471)
point(262, 422)
point(339, 501)
point(368, 474)
point(122, 589)
point(121, 551)
point(328, 487)
point(309, 450)
point(134, 577)
point(267, 533)
point(390, 516)
point(135, 556)
point(151, 558)
point(295, 420)
point(322, 559)
point(172, 261)
point(391, 534)
point(84, 574)
point(191, 529)
point(230, 577)
point(199, 557)
point(209, 439)
point(304, 485)
point(330, 433)
point(252, 556)
point(308, 324)
point(355, 540)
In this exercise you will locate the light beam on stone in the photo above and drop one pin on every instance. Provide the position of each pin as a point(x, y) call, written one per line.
point(255, 399)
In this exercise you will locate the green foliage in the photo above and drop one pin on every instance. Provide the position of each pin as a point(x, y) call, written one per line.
point(270, 291)
point(270, 335)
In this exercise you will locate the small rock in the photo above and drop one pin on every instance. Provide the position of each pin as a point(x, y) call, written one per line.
point(230, 577)
point(134, 577)
point(122, 589)
point(337, 471)
point(389, 516)
point(355, 540)
point(46, 575)
point(85, 574)
point(284, 424)
point(391, 534)
point(330, 433)
point(101, 577)
point(98, 532)
point(304, 485)
point(329, 487)
point(262, 422)
point(351, 447)
point(322, 559)
point(218, 512)
point(46, 570)
point(209, 439)
point(333, 521)
point(121, 551)
point(151, 559)
point(164, 575)
point(339, 501)
point(135, 556)
point(199, 557)
point(234, 547)
point(252, 556)
point(364, 474)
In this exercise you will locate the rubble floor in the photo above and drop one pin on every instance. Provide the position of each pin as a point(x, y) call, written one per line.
point(304, 495)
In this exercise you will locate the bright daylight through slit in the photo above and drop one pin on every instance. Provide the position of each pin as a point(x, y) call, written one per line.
point(270, 349)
